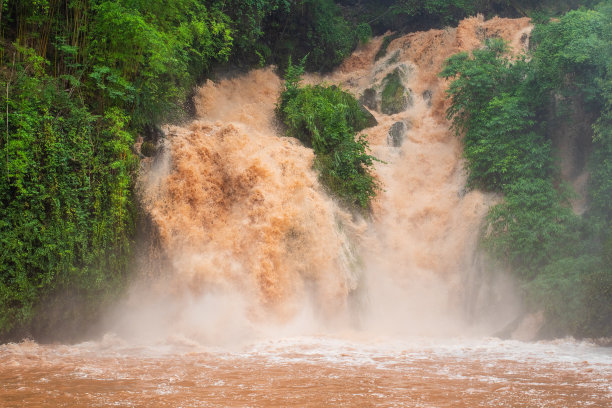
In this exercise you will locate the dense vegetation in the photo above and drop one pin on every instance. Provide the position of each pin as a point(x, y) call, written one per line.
point(80, 80)
point(413, 15)
point(327, 119)
point(502, 107)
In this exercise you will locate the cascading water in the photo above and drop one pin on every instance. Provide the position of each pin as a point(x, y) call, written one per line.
point(267, 290)
point(239, 211)
point(238, 208)
point(420, 254)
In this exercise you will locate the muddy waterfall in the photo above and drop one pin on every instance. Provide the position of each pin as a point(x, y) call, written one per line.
point(239, 212)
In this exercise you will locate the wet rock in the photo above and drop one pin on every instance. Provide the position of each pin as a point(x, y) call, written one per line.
point(369, 99)
point(394, 58)
point(397, 133)
point(153, 133)
point(382, 51)
point(427, 94)
point(148, 149)
point(527, 327)
point(524, 39)
point(371, 120)
point(395, 97)
point(136, 147)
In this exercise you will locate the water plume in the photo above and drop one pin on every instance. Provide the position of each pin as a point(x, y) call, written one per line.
point(422, 269)
point(238, 208)
point(239, 212)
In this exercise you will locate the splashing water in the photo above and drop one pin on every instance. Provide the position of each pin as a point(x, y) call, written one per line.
point(263, 292)
point(239, 209)
point(421, 253)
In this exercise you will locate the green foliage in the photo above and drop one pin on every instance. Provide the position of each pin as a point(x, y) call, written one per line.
point(498, 105)
point(270, 31)
point(569, 53)
point(146, 55)
point(81, 77)
point(532, 227)
point(328, 34)
point(250, 21)
point(443, 11)
point(65, 194)
point(575, 292)
point(494, 106)
point(326, 119)
point(363, 32)
point(314, 28)
point(394, 97)
point(403, 16)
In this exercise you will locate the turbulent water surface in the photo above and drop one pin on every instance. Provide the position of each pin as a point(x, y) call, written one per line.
point(309, 372)
point(257, 289)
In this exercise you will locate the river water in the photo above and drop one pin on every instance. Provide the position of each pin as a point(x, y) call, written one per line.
point(312, 371)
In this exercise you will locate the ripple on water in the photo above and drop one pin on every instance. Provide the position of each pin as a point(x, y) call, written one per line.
point(311, 371)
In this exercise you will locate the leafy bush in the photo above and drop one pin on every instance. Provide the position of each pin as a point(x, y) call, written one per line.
point(575, 292)
point(499, 105)
point(65, 192)
point(532, 227)
point(326, 119)
point(314, 28)
point(363, 32)
point(147, 55)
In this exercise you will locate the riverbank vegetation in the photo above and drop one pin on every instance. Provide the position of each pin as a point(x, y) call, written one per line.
point(509, 111)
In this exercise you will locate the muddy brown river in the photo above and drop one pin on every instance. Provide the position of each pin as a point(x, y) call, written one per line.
point(308, 372)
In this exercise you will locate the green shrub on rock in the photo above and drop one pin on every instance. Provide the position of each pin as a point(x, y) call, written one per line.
point(394, 98)
point(327, 118)
point(502, 106)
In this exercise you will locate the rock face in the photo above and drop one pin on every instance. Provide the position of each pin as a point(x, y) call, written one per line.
point(396, 134)
point(369, 99)
point(148, 149)
point(427, 97)
point(394, 58)
point(527, 327)
point(572, 139)
point(370, 118)
point(395, 98)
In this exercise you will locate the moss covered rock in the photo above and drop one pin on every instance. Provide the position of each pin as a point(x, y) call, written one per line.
point(148, 149)
point(370, 119)
point(382, 51)
point(395, 97)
